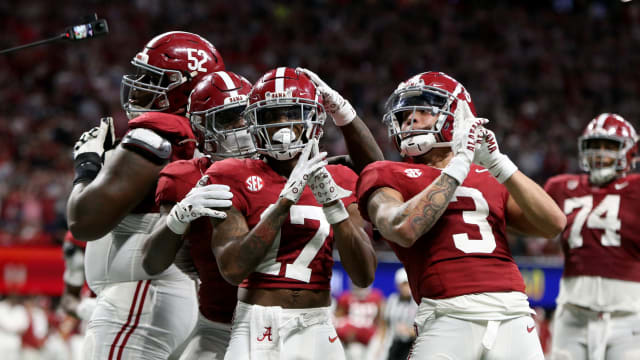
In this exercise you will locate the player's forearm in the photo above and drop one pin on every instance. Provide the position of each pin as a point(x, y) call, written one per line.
point(538, 207)
point(90, 213)
point(362, 146)
point(160, 249)
point(242, 254)
point(356, 252)
point(405, 224)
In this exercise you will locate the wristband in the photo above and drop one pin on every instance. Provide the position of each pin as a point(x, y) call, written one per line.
point(175, 225)
point(87, 166)
point(335, 213)
point(503, 169)
point(458, 168)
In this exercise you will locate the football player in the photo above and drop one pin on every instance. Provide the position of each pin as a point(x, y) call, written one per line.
point(289, 209)
point(137, 316)
point(445, 218)
point(598, 313)
point(215, 110)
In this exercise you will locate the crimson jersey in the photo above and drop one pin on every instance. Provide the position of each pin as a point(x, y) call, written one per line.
point(362, 315)
point(174, 128)
point(603, 226)
point(466, 251)
point(216, 296)
point(301, 255)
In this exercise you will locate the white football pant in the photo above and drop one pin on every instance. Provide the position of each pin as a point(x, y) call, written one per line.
point(145, 319)
point(208, 341)
point(448, 338)
point(583, 334)
point(274, 333)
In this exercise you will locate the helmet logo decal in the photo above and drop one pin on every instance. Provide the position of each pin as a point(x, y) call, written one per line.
point(254, 183)
point(278, 95)
point(572, 184)
point(413, 173)
point(195, 64)
point(233, 99)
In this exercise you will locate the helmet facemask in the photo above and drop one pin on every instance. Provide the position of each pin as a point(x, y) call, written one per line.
point(225, 131)
point(603, 164)
point(281, 127)
point(404, 101)
point(148, 89)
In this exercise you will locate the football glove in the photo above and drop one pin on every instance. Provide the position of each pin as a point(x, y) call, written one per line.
point(200, 201)
point(340, 109)
point(308, 163)
point(89, 150)
point(489, 156)
point(466, 139)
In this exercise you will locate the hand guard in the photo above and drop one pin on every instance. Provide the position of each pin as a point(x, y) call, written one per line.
point(466, 139)
point(302, 171)
point(89, 150)
point(199, 202)
point(490, 157)
point(340, 109)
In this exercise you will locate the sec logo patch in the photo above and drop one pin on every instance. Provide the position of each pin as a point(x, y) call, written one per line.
point(254, 183)
point(413, 173)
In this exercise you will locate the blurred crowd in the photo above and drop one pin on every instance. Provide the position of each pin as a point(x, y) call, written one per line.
point(538, 70)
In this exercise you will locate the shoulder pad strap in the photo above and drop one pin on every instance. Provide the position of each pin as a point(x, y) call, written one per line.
point(147, 143)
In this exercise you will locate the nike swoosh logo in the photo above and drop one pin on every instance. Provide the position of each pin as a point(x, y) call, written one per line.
point(621, 186)
point(530, 329)
point(481, 170)
point(332, 339)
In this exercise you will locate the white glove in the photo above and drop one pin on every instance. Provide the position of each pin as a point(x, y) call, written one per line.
point(199, 202)
point(89, 150)
point(490, 157)
point(325, 188)
point(302, 171)
point(340, 109)
point(467, 130)
point(97, 140)
point(85, 308)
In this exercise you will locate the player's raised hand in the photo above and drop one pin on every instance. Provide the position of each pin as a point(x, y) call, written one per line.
point(203, 200)
point(308, 162)
point(323, 186)
point(338, 107)
point(467, 130)
point(89, 150)
point(489, 156)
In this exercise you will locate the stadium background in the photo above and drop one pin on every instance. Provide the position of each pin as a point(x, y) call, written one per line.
point(538, 70)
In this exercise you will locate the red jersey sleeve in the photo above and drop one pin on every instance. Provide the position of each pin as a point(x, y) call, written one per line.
point(371, 178)
point(176, 129)
point(226, 172)
point(178, 178)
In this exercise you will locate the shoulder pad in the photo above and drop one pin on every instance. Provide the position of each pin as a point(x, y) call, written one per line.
point(148, 144)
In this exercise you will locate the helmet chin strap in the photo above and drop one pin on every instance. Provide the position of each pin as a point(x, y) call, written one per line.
point(420, 144)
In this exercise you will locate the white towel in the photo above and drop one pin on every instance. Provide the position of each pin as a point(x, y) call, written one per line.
point(265, 338)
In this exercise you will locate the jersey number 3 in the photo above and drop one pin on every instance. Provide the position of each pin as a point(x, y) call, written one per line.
point(299, 269)
point(487, 242)
point(604, 216)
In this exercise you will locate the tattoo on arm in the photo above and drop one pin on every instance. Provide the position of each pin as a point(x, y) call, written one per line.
point(405, 221)
point(428, 209)
point(240, 250)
